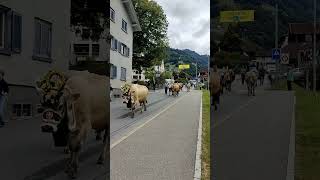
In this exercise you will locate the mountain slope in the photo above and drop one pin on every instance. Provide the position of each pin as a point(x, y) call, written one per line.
point(261, 31)
point(186, 56)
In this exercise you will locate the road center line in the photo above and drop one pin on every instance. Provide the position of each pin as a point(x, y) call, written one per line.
point(142, 125)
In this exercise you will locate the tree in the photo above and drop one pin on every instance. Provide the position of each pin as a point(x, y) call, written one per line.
point(231, 40)
point(92, 14)
point(166, 75)
point(152, 41)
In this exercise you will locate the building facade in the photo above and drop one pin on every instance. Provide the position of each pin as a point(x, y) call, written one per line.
point(34, 38)
point(160, 68)
point(299, 44)
point(136, 76)
point(123, 23)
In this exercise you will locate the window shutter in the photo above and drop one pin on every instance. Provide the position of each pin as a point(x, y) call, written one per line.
point(8, 34)
point(17, 32)
point(37, 37)
point(115, 71)
point(119, 47)
point(49, 40)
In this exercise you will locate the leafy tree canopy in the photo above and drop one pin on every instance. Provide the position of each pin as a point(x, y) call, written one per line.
point(92, 14)
point(152, 41)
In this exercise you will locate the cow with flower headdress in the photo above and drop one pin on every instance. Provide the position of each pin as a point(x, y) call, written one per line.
point(73, 103)
point(134, 95)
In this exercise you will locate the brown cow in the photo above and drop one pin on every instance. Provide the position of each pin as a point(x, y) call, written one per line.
point(175, 89)
point(215, 87)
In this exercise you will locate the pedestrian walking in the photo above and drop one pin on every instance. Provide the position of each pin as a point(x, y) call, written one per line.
point(166, 88)
point(290, 79)
point(111, 91)
point(4, 90)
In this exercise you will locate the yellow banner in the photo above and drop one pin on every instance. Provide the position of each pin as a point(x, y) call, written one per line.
point(237, 16)
point(184, 66)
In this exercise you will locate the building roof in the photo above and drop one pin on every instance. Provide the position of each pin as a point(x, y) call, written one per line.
point(302, 28)
point(132, 14)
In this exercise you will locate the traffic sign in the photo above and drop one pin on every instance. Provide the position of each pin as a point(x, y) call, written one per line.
point(237, 16)
point(184, 66)
point(276, 54)
point(284, 58)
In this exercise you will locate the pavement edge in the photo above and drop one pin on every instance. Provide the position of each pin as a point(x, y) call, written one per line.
point(291, 154)
point(197, 166)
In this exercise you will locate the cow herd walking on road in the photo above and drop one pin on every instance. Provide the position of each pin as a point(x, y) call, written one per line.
point(221, 81)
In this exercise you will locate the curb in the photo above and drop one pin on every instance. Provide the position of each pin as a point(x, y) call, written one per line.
point(197, 166)
point(291, 152)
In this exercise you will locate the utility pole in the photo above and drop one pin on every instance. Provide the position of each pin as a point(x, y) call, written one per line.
point(314, 46)
point(276, 36)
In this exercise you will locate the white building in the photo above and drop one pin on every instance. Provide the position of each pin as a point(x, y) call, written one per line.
point(136, 76)
point(34, 38)
point(123, 23)
point(160, 68)
point(86, 49)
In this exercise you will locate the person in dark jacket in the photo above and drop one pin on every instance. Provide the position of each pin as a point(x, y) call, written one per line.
point(4, 90)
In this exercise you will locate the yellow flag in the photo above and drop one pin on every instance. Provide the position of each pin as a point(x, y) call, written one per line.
point(237, 16)
point(184, 66)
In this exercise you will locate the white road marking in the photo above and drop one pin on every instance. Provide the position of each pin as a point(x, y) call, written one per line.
point(234, 112)
point(142, 125)
point(197, 166)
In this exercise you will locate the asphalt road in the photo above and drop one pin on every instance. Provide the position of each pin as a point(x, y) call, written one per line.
point(28, 154)
point(159, 143)
point(251, 135)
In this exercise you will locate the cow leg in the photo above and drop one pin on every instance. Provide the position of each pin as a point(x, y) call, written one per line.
point(66, 150)
point(102, 156)
point(144, 105)
point(98, 136)
point(132, 113)
point(74, 146)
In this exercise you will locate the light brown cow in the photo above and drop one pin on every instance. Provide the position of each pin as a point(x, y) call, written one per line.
point(175, 89)
point(137, 95)
point(83, 106)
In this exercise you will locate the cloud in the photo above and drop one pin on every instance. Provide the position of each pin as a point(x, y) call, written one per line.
point(189, 24)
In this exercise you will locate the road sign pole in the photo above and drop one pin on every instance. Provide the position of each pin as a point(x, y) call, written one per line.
point(314, 47)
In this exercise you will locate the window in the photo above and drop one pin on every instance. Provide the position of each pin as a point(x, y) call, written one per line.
point(124, 50)
point(16, 32)
point(81, 49)
point(2, 29)
point(124, 25)
point(95, 49)
point(113, 71)
point(112, 15)
point(22, 110)
point(309, 38)
point(43, 35)
point(10, 31)
point(123, 74)
point(114, 44)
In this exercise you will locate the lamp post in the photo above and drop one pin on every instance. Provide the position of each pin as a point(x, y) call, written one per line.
point(314, 46)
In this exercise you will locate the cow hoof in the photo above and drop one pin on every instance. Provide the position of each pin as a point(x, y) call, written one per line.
point(98, 138)
point(66, 150)
point(100, 161)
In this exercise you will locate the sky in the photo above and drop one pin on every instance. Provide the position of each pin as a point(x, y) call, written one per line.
point(189, 24)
